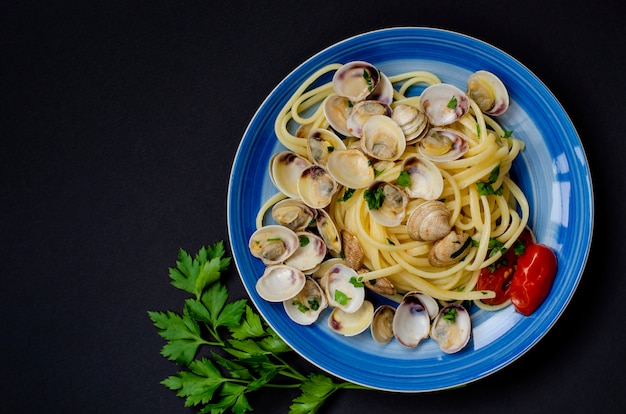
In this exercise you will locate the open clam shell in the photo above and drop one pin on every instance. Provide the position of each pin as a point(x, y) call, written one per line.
point(356, 80)
point(351, 323)
point(411, 322)
point(426, 180)
point(273, 244)
point(280, 282)
point(488, 91)
point(443, 104)
point(342, 290)
point(306, 306)
point(309, 254)
point(452, 328)
point(350, 168)
point(285, 170)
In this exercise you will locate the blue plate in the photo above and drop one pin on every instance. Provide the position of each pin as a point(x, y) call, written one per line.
point(552, 171)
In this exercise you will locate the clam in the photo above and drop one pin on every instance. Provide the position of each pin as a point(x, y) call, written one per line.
point(356, 80)
point(343, 289)
point(309, 254)
point(350, 168)
point(382, 324)
point(382, 138)
point(411, 322)
point(452, 328)
point(425, 179)
point(488, 91)
point(431, 305)
point(327, 229)
point(351, 323)
point(430, 221)
point(285, 170)
point(337, 109)
point(443, 103)
point(450, 249)
point(273, 243)
point(381, 285)
point(443, 144)
point(383, 92)
point(306, 306)
point(353, 252)
point(319, 273)
point(316, 187)
point(361, 112)
point(280, 282)
point(411, 120)
point(320, 143)
point(293, 214)
point(392, 210)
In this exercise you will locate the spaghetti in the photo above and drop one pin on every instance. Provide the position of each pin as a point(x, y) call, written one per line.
point(390, 252)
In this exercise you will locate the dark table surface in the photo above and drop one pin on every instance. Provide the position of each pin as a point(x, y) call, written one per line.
point(119, 125)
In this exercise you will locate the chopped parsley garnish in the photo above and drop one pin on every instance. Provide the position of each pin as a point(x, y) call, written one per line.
point(314, 304)
point(347, 194)
point(495, 247)
point(450, 314)
point(300, 306)
point(273, 239)
point(390, 241)
point(330, 148)
point(452, 103)
point(507, 134)
point(374, 198)
point(304, 240)
point(356, 282)
point(341, 298)
point(368, 80)
point(519, 247)
point(478, 130)
point(404, 179)
point(485, 187)
point(377, 172)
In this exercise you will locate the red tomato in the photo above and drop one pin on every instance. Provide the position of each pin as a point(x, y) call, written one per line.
point(536, 269)
point(499, 280)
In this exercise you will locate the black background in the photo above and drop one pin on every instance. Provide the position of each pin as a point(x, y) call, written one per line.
point(119, 124)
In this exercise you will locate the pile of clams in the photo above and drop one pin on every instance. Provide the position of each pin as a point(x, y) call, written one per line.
point(311, 264)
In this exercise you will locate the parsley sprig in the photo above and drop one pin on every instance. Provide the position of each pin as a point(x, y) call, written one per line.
point(250, 352)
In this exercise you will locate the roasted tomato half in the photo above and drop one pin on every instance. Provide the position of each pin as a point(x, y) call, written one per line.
point(532, 281)
point(498, 277)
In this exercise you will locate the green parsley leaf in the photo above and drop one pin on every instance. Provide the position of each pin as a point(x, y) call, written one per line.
point(341, 298)
point(519, 247)
point(507, 134)
point(377, 172)
point(374, 198)
point(304, 240)
point(495, 173)
point(368, 80)
point(390, 241)
point(450, 314)
point(300, 306)
point(478, 130)
point(404, 179)
point(330, 148)
point(453, 102)
point(347, 194)
point(250, 354)
point(356, 282)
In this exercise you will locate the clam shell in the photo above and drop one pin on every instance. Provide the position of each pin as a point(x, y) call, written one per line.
point(351, 323)
point(306, 306)
point(337, 109)
point(309, 254)
point(350, 168)
point(383, 138)
point(443, 104)
point(411, 322)
point(293, 214)
point(429, 221)
point(280, 282)
point(426, 180)
point(489, 93)
point(316, 187)
point(382, 324)
point(273, 243)
point(393, 208)
point(452, 328)
point(320, 143)
point(340, 291)
point(443, 144)
point(285, 170)
point(356, 80)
